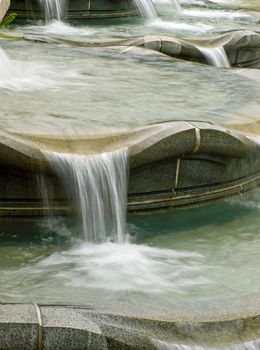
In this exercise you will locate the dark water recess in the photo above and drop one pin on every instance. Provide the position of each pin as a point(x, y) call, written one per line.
point(77, 10)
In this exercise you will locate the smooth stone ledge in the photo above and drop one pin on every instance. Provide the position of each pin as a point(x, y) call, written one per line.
point(145, 144)
point(124, 326)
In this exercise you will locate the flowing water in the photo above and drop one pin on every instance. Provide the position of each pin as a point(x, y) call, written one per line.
point(193, 255)
point(64, 87)
point(146, 8)
point(128, 97)
point(97, 185)
point(53, 9)
point(215, 56)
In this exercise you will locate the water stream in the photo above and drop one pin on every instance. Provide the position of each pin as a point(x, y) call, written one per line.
point(17, 75)
point(97, 185)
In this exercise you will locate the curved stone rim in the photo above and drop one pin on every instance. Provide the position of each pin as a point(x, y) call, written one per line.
point(215, 322)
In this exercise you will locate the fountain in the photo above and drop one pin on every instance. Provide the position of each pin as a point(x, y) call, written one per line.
point(102, 123)
point(215, 56)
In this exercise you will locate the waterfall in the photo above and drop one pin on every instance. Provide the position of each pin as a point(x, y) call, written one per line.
point(215, 56)
point(7, 70)
point(97, 187)
point(146, 8)
point(53, 9)
point(23, 75)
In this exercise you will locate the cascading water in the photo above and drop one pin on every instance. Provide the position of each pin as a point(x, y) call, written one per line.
point(53, 9)
point(97, 185)
point(215, 56)
point(146, 8)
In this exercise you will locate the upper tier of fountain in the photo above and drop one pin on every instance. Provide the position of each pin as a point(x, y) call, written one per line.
point(165, 163)
point(75, 10)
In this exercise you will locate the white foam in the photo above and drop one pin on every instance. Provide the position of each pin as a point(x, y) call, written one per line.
point(24, 76)
point(125, 267)
point(61, 28)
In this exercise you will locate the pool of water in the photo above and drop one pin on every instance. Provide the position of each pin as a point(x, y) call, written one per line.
point(45, 87)
point(192, 255)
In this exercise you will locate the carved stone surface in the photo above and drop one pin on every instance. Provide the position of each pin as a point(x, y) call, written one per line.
point(171, 164)
point(242, 47)
point(4, 5)
point(103, 327)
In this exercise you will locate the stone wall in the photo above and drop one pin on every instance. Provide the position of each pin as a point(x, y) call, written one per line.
point(4, 5)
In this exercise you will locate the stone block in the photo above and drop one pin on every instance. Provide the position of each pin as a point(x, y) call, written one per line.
point(4, 5)
point(18, 327)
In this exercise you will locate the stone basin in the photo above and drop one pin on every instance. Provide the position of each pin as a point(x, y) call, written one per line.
point(174, 164)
